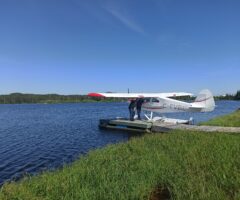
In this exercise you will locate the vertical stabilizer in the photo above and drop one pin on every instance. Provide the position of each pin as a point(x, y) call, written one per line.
point(205, 100)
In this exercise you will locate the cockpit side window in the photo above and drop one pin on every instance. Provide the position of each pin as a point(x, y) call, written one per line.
point(147, 100)
point(155, 100)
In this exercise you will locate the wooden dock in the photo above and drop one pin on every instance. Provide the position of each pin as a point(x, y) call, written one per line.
point(127, 125)
point(159, 127)
point(146, 126)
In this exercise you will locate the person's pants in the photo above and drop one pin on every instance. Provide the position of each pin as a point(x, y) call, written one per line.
point(139, 113)
point(132, 114)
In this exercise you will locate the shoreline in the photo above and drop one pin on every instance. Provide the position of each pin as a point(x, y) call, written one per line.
point(134, 169)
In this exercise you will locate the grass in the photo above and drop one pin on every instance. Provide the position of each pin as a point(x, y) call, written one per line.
point(180, 165)
point(231, 120)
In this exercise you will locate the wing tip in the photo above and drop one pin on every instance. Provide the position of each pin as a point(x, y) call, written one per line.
point(95, 95)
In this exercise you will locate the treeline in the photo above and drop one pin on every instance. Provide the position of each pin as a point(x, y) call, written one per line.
point(19, 98)
point(229, 96)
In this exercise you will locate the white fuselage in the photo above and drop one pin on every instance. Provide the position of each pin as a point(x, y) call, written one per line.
point(168, 105)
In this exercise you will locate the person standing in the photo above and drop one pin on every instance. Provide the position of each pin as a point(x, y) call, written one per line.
point(131, 108)
point(139, 107)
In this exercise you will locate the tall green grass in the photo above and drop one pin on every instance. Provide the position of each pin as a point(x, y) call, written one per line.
point(230, 120)
point(190, 165)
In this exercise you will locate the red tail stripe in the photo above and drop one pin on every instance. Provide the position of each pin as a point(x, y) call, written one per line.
point(203, 100)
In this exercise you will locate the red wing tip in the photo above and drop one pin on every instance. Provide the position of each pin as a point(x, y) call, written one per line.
point(95, 95)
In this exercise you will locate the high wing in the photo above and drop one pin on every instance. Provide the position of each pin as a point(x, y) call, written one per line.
point(140, 95)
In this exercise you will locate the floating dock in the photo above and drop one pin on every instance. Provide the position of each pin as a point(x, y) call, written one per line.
point(147, 126)
point(127, 125)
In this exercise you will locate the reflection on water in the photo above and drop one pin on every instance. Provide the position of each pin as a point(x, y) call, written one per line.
point(37, 137)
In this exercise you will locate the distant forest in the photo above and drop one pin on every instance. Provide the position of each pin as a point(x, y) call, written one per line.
point(19, 98)
point(229, 96)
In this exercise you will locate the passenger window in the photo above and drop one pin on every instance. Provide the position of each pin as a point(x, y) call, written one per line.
point(155, 100)
point(147, 100)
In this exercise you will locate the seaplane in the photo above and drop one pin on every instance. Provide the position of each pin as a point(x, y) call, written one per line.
point(167, 103)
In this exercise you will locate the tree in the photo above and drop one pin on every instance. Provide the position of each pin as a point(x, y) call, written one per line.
point(237, 96)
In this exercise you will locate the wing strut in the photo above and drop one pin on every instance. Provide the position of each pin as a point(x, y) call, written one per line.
point(149, 117)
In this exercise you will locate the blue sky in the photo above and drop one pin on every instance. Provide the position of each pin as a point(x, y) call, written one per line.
point(81, 46)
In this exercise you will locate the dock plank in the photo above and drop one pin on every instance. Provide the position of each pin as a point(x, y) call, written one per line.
point(161, 127)
point(136, 123)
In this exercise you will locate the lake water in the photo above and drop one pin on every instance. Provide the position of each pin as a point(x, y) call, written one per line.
point(37, 137)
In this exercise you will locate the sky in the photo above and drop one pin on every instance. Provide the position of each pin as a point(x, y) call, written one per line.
point(82, 46)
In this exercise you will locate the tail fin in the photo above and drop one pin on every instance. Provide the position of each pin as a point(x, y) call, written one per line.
point(205, 101)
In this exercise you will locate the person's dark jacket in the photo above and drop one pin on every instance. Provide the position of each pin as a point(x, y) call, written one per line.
point(139, 104)
point(132, 104)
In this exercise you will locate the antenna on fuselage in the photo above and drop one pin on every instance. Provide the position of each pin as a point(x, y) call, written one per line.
point(128, 91)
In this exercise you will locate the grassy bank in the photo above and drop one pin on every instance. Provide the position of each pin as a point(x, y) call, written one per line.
point(181, 165)
point(232, 119)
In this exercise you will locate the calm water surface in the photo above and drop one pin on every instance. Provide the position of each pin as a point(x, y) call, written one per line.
point(37, 137)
